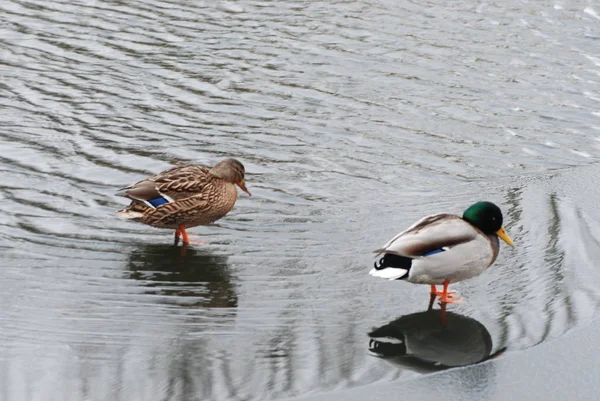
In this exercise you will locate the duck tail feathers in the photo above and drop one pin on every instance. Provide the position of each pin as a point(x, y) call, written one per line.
point(127, 214)
point(389, 273)
point(391, 267)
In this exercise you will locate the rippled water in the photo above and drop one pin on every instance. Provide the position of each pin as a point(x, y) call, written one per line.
point(353, 118)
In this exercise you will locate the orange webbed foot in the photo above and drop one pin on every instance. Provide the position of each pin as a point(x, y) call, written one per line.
point(446, 297)
point(450, 299)
point(441, 293)
point(186, 237)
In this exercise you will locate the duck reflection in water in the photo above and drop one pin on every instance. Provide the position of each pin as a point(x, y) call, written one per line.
point(202, 278)
point(422, 342)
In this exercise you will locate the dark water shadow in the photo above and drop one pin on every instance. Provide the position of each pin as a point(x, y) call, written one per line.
point(421, 342)
point(201, 277)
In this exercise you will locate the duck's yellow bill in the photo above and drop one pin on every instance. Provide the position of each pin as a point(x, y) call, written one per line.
point(504, 236)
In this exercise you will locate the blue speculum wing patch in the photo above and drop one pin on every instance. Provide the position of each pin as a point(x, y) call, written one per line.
point(434, 252)
point(158, 201)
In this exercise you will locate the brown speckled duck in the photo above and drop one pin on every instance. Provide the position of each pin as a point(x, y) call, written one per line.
point(185, 196)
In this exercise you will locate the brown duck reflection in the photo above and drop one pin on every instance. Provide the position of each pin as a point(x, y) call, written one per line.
point(421, 342)
point(189, 277)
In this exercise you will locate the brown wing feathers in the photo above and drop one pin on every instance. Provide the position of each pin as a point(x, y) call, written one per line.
point(176, 183)
point(443, 230)
point(143, 190)
point(423, 247)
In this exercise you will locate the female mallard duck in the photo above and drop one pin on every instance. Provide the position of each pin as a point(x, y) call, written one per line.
point(444, 248)
point(185, 196)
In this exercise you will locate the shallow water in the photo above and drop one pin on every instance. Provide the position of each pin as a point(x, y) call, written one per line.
point(353, 119)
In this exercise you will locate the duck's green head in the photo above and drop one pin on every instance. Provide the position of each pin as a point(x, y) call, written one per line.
point(488, 218)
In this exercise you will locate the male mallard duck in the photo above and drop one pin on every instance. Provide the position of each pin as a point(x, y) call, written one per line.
point(444, 248)
point(185, 196)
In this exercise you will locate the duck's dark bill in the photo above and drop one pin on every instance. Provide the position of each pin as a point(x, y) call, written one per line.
point(242, 185)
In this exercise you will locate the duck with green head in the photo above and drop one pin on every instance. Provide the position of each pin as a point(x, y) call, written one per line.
point(444, 248)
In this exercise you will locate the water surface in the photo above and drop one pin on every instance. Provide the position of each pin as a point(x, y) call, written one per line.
point(353, 119)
